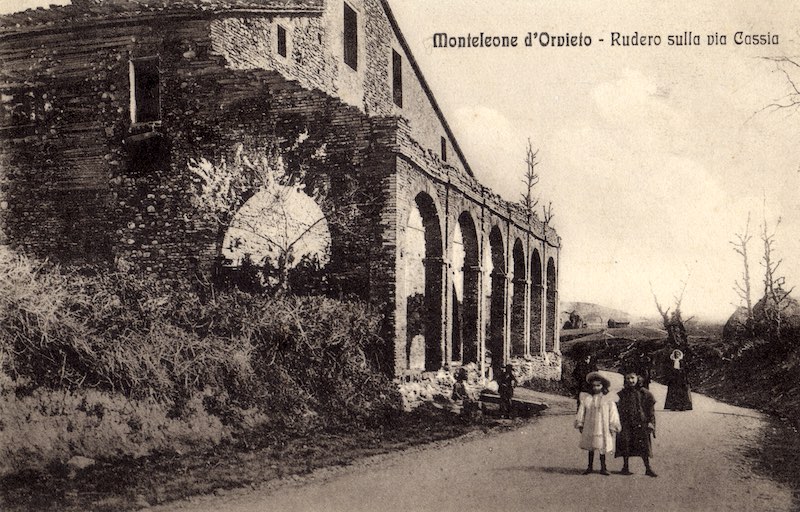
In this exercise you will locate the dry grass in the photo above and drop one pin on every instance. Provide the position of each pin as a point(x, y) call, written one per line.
point(130, 483)
point(122, 344)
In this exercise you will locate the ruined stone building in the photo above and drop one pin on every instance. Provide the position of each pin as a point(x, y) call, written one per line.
point(105, 102)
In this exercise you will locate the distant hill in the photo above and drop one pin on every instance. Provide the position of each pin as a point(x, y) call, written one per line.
point(594, 315)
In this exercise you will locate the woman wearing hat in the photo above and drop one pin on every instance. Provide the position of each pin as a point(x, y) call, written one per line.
point(679, 396)
point(597, 420)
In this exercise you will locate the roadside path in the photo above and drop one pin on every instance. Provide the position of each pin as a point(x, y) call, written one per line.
point(537, 467)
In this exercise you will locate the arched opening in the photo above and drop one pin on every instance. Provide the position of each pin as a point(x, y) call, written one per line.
point(466, 274)
point(497, 301)
point(536, 302)
point(518, 301)
point(422, 254)
point(278, 239)
point(552, 293)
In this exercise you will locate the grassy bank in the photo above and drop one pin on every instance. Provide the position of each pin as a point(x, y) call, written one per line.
point(118, 391)
point(251, 461)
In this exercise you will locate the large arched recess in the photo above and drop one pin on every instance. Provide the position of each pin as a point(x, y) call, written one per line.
point(466, 298)
point(518, 301)
point(497, 302)
point(423, 273)
point(537, 291)
point(552, 294)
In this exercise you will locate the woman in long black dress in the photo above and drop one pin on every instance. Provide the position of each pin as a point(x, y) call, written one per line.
point(679, 396)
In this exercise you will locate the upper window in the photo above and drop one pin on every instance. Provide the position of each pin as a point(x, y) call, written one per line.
point(350, 37)
point(145, 90)
point(281, 41)
point(397, 78)
point(444, 149)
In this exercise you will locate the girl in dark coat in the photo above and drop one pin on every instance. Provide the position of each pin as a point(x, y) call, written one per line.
point(637, 415)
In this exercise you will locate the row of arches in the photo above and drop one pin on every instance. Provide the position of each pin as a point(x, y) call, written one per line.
point(481, 305)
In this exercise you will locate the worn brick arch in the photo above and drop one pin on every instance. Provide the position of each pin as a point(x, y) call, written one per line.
point(466, 271)
point(519, 291)
point(552, 303)
point(424, 260)
point(108, 189)
point(537, 291)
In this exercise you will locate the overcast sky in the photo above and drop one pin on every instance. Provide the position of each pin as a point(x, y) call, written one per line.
point(7, 6)
point(652, 156)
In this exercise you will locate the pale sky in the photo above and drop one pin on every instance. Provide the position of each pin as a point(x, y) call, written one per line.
point(652, 156)
point(7, 6)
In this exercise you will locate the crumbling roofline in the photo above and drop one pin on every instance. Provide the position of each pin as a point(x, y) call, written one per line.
point(53, 27)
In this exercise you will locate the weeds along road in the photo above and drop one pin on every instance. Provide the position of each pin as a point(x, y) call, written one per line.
point(699, 456)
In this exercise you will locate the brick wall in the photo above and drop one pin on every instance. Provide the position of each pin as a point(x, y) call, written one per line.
point(82, 184)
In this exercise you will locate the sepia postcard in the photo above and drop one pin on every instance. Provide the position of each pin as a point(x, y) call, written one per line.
point(339, 255)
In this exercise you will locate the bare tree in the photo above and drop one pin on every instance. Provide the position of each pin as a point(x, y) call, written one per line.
point(673, 322)
point(530, 180)
point(791, 100)
point(222, 188)
point(547, 212)
point(743, 289)
point(776, 296)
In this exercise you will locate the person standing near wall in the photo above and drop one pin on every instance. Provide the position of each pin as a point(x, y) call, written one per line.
point(585, 365)
point(505, 388)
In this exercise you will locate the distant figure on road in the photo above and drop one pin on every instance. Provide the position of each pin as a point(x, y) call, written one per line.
point(644, 369)
point(637, 415)
point(585, 365)
point(597, 420)
point(679, 397)
point(505, 388)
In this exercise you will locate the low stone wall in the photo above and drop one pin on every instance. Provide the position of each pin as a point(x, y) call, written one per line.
point(418, 387)
point(547, 367)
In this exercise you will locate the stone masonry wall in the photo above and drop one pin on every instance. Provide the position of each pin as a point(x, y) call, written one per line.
point(82, 183)
point(315, 61)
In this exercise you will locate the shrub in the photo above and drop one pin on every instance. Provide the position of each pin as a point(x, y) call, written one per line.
point(134, 361)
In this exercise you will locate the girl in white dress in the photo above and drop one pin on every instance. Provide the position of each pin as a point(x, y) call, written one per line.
point(598, 421)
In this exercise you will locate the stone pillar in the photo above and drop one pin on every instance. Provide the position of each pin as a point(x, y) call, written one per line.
point(447, 313)
point(543, 339)
point(557, 326)
point(527, 313)
point(507, 318)
point(557, 341)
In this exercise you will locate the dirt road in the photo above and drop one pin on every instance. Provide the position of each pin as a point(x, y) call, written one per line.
point(699, 459)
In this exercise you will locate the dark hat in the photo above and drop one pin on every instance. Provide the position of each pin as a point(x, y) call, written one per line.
point(598, 376)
